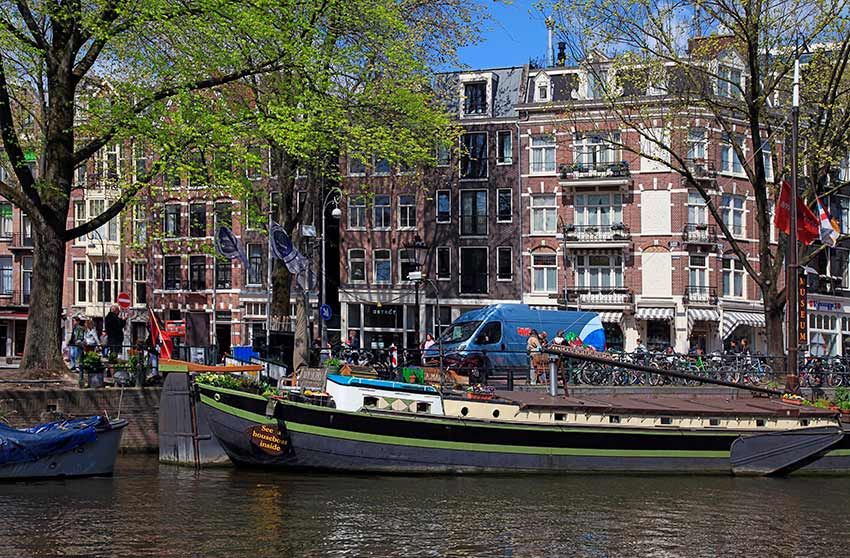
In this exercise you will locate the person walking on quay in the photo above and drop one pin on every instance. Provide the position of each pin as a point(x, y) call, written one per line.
point(90, 339)
point(115, 330)
point(75, 343)
point(534, 349)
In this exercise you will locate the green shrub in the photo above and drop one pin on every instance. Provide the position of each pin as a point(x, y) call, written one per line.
point(842, 394)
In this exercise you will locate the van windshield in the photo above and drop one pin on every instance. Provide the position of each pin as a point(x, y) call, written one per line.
point(458, 333)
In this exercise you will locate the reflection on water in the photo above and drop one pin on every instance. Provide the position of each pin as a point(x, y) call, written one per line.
point(156, 510)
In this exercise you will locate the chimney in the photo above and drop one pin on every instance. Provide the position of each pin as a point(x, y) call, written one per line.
point(550, 52)
point(562, 53)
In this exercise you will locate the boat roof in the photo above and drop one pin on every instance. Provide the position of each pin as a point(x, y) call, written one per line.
point(665, 404)
point(380, 384)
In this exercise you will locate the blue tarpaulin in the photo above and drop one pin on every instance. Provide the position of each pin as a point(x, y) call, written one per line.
point(52, 438)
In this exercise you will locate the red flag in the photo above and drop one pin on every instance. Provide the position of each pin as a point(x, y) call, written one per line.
point(161, 339)
point(808, 227)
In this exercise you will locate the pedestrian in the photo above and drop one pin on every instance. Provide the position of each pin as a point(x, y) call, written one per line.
point(534, 349)
point(429, 341)
point(90, 338)
point(745, 346)
point(559, 338)
point(75, 342)
point(115, 330)
point(153, 355)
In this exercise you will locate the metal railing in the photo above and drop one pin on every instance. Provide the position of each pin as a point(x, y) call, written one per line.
point(615, 232)
point(700, 293)
point(599, 295)
point(579, 171)
point(21, 240)
point(700, 233)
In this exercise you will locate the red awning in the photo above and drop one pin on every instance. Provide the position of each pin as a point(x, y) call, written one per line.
point(13, 316)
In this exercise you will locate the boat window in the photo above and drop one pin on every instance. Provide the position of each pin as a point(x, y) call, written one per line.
point(714, 422)
point(422, 407)
point(464, 411)
point(490, 333)
point(666, 421)
point(614, 419)
point(369, 401)
point(495, 413)
point(760, 422)
point(560, 416)
point(804, 422)
point(460, 332)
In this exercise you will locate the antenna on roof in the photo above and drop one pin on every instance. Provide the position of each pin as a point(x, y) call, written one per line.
point(550, 52)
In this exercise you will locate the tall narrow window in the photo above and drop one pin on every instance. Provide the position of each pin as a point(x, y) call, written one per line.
point(81, 290)
point(140, 225)
point(443, 155)
point(473, 213)
point(473, 157)
point(444, 206)
point(504, 205)
point(198, 220)
point(543, 214)
point(475, 98)
point(732, 212)
point(6, 275)
point(505, 148)
point(542, 154)
point(504, 263)
point(407, 211)
point(103, 281)
point(730, 161)
point(383, 266)
point(5, 220)
point(406, 264)
point(79, 219)
point(357, 265)
point(698, 278)
point(697, 209)
point(357, 213)
point(382, 213)
point(26, 279)
point(223, 214)
point(696, 144)
point(171, 270)
point(255, 264)
point(474, 268)
point(733, 277)
point(444, 263)
point(172, 220)
point(140, 283)
point(223, 273)
point(197, 273)
point(544, 273)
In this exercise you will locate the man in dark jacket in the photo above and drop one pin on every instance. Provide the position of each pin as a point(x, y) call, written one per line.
point(114, 330)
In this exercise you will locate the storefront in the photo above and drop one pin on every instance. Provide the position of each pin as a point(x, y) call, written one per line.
point(658, 326)
point(829, 326)
point(702, 329)
point(377, 326)
point(612, 324)
point(743, 327)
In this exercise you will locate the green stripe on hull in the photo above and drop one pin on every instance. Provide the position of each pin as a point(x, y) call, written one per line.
point(495, 448)
point(235, 411)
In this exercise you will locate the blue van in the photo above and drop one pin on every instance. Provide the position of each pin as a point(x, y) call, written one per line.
point(494, 338)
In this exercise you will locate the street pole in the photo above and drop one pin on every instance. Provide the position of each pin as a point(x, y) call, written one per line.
point(792, 271)
point(335, 192)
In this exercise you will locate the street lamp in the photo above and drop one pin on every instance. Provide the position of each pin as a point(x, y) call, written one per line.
point(416, 246)
point(419, 278)
point(102, 269)
point(332, 197)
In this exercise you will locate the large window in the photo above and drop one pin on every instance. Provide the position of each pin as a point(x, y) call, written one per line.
point(383, 266)
point(544, 273)
point(223, 273)
point(697, 209)
point(171, 270)
point(475, 98)
point(596, 150)
point(542, 154)
point(504, 263)
point(473, 270)
point(696, 144)
point(544, 214)
point(81, 290)
point(406, 263)
point(407, 211)
point(108, 166)
point(444, 206)
point(382, 213)
point(729, 159)
point(473, 157)
point(473, 212)
point(198, 220)
point(504, 205)
point(599, 271)
point(504, 148)
point(597, 83)
point(357, 213)
point(255, 264)
point(197, 273)
point(5, 220)
point(140, 283)
point(105, 282)
point(444, 263)
point(729, 82)
point(732, 212)
point(172, 220)
point(444, 154)
point(598, 209)
point(356, 166)
point(357, 265)
point(6, 275)
point(733, 277)
point(697, 274)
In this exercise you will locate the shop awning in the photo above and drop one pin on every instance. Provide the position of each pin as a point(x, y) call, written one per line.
point(14, 316)
point(654, 314)
point(731, 320)
point(610, 317)
point(701, 315)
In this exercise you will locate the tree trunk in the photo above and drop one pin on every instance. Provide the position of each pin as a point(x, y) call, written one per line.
point(774, 320)
point(42, 349)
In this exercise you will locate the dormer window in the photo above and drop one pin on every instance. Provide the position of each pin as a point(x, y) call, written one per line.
point(475, 98)
point(597, 83)
point(541, 89)
point(729, 82)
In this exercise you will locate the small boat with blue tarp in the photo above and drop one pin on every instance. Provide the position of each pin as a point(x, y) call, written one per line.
point(79, 447)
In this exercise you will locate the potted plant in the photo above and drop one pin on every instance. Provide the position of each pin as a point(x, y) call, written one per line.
point(332, 365)
point(92, 369)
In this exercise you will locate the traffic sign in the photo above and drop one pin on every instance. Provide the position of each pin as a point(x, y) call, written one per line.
point(123, 300)
point(325, 312)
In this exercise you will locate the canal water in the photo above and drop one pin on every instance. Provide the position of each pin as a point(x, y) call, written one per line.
point(149, 509)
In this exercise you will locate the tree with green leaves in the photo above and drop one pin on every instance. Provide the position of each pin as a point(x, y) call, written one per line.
point(665, 67)
point(159, 54)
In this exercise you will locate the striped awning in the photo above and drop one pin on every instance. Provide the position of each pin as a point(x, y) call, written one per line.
point(654, 314)
point(701, 315)
point(731, 320)
point(610, 317)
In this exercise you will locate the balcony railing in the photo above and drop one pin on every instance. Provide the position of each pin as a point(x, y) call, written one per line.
point(578, 171)
point(21, 241)
point(473, 225)
point(617, 232)
point(701, 168)
point(699, 233)
point(599, 295)
point(700, 294)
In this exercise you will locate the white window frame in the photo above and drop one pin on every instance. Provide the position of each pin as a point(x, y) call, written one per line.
point(448, 194)
point(726, 76)
point(543, 155)
point(357, 260)
point(697, 144)
point(386, 223)
point(728, 212)
point(78, 265)
point(460, 269)
point(447, 252)
point(486, 215)
point(586, 271)
point(139, 281)
point(7, 223)
point(550, 213)
point(730, 163)
point(499, 255)
point(357, 208)
point(407, 212)
point(375, 261)
point(697, 209)
point(698, 271)
point(593, 149)
point(732, 269)
point(499, 192)
point(407, 255)
point(585, 212)
point(542, 89)
point(501, 160)
point(550, 271)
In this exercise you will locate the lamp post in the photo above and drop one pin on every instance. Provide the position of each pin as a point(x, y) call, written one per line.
point(419, 278)
point(102, 269)
point(332, 197)
point(416, 246)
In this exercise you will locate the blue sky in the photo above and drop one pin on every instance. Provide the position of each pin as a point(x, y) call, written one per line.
point(514, 34)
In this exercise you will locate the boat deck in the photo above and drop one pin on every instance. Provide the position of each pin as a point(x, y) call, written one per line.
point(664, 404)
